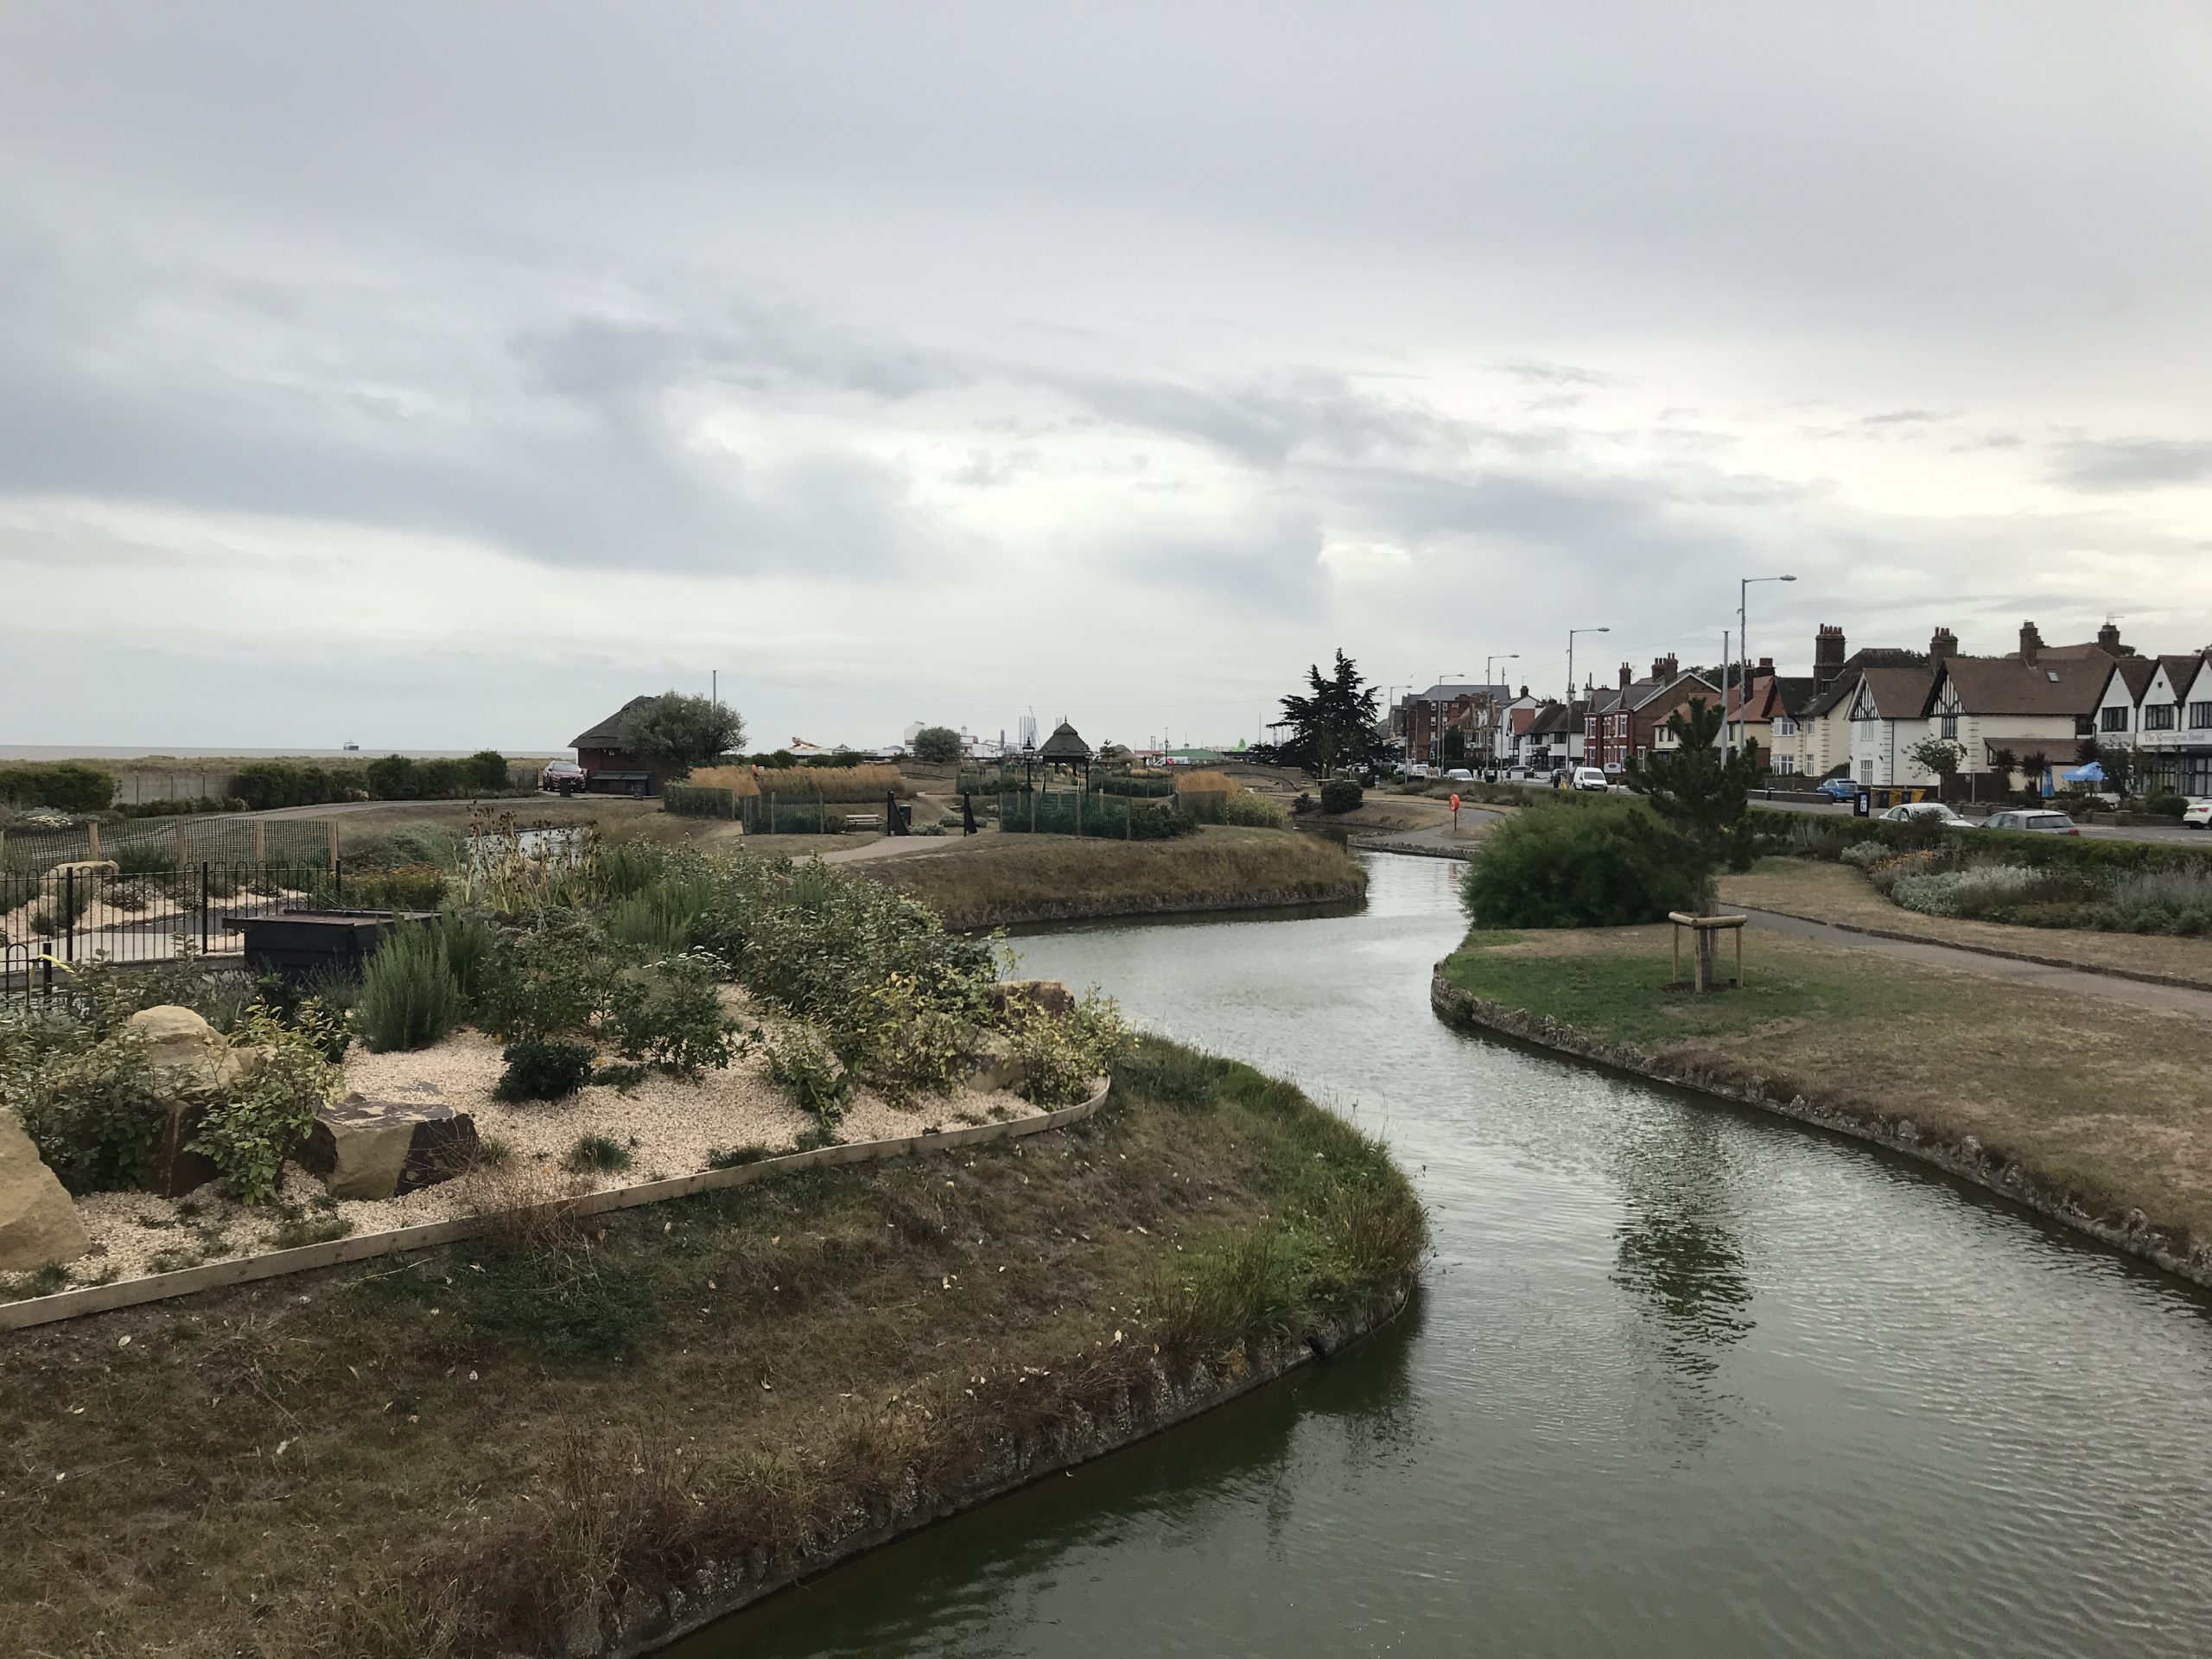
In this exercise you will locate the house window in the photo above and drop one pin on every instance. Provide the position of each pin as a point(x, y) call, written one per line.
point(2200, 716)
point(1785, 764)
point(2158, 716)
point(1951, 727)
point(2114, 720)
point(1785, 727)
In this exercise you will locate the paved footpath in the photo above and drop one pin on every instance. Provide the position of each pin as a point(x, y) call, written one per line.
point(2180, 999)
point(891, 847)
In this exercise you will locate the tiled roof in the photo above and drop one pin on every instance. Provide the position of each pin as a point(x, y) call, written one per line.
point(1846, 679)
point(2006, 686)
point(1899, 693)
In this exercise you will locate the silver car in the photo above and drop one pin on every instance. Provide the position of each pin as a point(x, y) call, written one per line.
point(2042, 823)
point(1926, 812)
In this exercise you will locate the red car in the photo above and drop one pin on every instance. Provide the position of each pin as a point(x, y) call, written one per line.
point(564, 778)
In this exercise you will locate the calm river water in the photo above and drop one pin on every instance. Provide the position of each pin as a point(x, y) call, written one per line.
point(1684, 1381)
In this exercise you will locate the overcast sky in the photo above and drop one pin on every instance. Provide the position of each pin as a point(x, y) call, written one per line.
point(440, 375)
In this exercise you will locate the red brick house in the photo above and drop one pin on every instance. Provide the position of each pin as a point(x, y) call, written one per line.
point(1629, 721)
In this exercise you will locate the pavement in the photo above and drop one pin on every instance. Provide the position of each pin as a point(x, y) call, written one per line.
point(2077, 981)
point(890, 846)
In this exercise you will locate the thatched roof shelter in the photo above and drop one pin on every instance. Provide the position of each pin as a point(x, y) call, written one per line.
point(1064, 747)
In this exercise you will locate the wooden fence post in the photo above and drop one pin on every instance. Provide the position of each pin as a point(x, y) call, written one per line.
point(331, 825)
point(183, 858)
point(93, 831)
point(261, 844)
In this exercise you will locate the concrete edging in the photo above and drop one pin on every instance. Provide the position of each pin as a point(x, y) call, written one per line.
point(2133, 1234)
point(276, 1264)
point(2176, 981)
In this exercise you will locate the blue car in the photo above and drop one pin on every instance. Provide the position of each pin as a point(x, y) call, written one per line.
point(1838, 789)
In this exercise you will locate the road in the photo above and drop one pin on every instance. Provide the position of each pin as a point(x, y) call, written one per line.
point(2099, 831)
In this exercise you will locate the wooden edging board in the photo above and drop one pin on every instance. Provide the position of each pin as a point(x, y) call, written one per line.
point(160, 1287)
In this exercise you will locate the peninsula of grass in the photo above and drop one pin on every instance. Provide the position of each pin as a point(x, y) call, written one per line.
point(582, 1439)
point(999, 880)
point(2091, 1109)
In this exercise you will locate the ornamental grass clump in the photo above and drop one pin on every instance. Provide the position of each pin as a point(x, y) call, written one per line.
point(410, 996)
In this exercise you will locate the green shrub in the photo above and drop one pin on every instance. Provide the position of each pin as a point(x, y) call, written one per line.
point(901, 1042)
point(65, 786)
point(404, 886)
point(1061, 1055)
point(1591, 864)
point(621, 1074)
point(92, 1110)
point(1341, 795)
point(549, 980)
point(661, 919)
point(543, 1068)
point(938, 745)
point(595, 1154)
point(670, 1014)
point(249, 1132)
point(2166, 806)
point(803, 1063)
point(410, 996)
point(264, 784)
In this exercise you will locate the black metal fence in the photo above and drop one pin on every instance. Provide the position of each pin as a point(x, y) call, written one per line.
point(55, 922)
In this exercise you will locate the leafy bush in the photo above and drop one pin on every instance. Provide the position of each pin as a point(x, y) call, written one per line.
point(1865, 854)
point(543, 1068)
point(410, 996)
point(263, 785)
point(2166, 806)
point(1588, 864)
point(2159, 901)
point(550, 981)
point(400, 778)
point(1061, 1055)
point(92, 1108)
point(249, 1132)
point(65, 786)
point(803, 1063)
point(939, 746)
point(1341, 795)
point(405, 886)
point(670, 1014)
point(902, 1042)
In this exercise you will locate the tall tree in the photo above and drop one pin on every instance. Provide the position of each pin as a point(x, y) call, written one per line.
point(1334, 726)
point(1701, 791)
point(679, 732)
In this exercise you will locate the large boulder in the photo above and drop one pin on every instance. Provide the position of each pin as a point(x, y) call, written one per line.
point(197, 1063)
point(996, 1066)
point(38, 1224)
point(381, 1149)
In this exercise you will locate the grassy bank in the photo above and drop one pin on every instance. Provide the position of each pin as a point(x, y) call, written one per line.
point(1836, 893)
point(525, 1444)
point(2089, 1102)
point(990, 880)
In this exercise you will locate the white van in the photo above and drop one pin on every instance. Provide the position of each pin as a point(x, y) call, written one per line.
point(1590, 777)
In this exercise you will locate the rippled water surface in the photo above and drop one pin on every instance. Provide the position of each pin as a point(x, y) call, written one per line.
point(1683, 1380)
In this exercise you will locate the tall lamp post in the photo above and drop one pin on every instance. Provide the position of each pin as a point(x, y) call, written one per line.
point(1743, 645)
point(1489, 744)
point(1571, 632)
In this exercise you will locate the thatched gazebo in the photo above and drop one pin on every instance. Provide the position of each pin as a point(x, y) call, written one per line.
point(1065, 747)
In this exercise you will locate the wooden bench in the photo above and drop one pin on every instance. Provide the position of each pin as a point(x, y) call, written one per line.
point(863, 821)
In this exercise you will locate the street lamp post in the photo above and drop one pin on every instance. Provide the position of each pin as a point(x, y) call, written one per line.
point(1571, 632)
point(1743, 645)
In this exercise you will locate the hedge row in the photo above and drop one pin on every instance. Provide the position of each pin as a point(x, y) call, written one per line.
point(66, 786)
point(1785, 831)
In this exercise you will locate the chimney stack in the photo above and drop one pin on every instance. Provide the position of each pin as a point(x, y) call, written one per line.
point(1943, 645)
point(2030, 643)
point(1827, 656)
point(1627, 678)
point(1664, 667)
point(1766, 667)
point(2108, 637)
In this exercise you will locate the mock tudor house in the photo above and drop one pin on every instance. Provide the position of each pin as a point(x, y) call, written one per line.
point(1629, 721)
point(1764, 711)
point(1888, 714)
point(2039, 700)
point(2160, 707)
point(1819, 742)
point(1553, 738)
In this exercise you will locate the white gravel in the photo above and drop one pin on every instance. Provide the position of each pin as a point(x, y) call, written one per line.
point(669, 1124)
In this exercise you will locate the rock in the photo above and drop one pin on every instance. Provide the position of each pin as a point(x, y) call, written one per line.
point(996, 1067)
point(174, 1170)
point(1049, 994)
point(381, 1149)
point(195, 1054)
point(38, 1222)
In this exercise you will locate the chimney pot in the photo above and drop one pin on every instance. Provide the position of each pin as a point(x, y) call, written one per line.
point(1627, 678)
point(1943, 645)
point(2030, 643)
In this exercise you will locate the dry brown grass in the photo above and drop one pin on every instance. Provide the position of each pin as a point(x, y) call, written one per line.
point(389, 1459)
point(987, 880)
point(1835, 892)
point(1205, 783)
point(738, 780)
point(2097, 1096)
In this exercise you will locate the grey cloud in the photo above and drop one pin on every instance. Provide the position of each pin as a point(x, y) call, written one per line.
point(2100, 465)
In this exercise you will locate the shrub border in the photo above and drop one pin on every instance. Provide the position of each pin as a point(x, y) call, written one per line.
point(274, 1264)
point(2131, 1233)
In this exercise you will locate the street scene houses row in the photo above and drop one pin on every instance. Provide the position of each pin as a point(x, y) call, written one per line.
point(2018, 720)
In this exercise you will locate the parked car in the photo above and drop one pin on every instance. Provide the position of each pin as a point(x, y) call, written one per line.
point(1590, 777)
point(1838, 789)
point(2197, 814)
point(2042, 823)
point(1459, 775)
point(564, 778)
point(1928, 813)
point(1417, 772)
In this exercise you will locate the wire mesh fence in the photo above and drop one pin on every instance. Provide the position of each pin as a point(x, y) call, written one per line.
point(55, 922)
point(140, 845)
